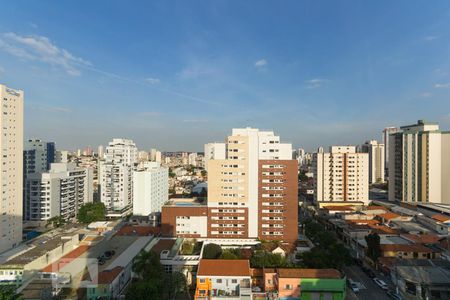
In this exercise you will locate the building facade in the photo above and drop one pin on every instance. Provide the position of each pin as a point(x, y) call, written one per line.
point(150, 188)
point(341, 175)
point(116, 176)
point(376, 160)
point(419, 166)
point(11, 167)
point(386, 133)
point(59, 192)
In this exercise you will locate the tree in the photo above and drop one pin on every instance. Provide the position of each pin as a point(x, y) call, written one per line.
point(174, 285)
point(204, 173)
point(143, 290)
point(231, 254)
point(373, 246)
point(55, 222)
point(212, 251)
point(91, 212)
point(8, 292)
point(147, 265)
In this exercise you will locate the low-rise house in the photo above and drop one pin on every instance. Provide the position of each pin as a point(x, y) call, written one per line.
point(433, 224)
point(411, 251)
point(296, 284)
point(219, 278)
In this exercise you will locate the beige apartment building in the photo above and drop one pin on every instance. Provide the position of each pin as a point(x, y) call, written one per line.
point(11, 167)
point(419, 165)
point(341, 175)
point(252, 193)
point(376, 160)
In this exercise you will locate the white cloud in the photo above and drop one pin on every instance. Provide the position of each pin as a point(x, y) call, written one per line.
point(315, 83)
point(430, 38)
point(152, 80)
point(40, 48)
point(261, 63)
point(426, 95)
point(34, 25)
point(442, 85)
point(2, 70)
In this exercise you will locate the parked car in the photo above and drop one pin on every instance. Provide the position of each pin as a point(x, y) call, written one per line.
point(354, 287)
point(394, 295)
point(369, 272)
point(381, 283)
point(108, 254)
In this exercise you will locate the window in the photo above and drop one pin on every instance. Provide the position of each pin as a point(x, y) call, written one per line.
point(202, 280)
point(233, 280)
point(219, 280)
point(288, 287)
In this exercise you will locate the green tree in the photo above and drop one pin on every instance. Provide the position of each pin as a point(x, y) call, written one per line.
point(143, 290)
point(147, 265)
point(231, 254)
point(373, 246)
point(55, 222)
point(174, 285)
point(8, 292)
point(91, 212)
point(204, 173)
point(212, 251)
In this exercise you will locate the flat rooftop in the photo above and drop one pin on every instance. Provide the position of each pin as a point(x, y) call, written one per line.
point(185, 202)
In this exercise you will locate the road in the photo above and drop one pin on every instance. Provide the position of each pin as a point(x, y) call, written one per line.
point(372, 291)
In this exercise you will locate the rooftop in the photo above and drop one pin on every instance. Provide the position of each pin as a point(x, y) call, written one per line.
point(309, 273)
point(223, 267)
point(108, 276)
point(406, 248)
point(432, 275)
point(441, 218)
point(185, 202)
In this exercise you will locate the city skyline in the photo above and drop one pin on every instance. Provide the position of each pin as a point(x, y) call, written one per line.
point(176, 77)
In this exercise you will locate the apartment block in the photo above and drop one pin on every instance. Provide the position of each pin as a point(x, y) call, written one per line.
point(341, 175)
point(214, 151)
point(252, 192)
point(59, 192)
point(11, 167)
point(150, 188)
point(116, 177)
point(419, 167)
point(376, 160)
point(386, 133)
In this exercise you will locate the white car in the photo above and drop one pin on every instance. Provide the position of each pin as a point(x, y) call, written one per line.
point(381, 283)
point(354, 287)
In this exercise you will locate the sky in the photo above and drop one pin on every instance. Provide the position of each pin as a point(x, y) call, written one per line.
point(175, 75)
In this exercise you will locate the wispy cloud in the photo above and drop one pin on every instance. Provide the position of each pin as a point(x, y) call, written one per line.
point(2, 70)
point(261, 64)
point(425, 95)
point(152, 80)
point(430, 38)
point(315, 83)
point(41, 48)
point(442, 85)
point(150, 114)
point(195, 121)
point(48, 108)
point(440, 72)
point(34, 25)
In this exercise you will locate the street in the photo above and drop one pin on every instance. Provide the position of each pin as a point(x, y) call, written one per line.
point(371, 290)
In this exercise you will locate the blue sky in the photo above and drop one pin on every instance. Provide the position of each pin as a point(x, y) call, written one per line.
point(177, 74)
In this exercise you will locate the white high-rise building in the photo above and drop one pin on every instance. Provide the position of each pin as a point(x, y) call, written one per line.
point(153, 154)
point(143, 156)
point(11, 167)
point(116, 175)
point(419, 165)
point(62, 156)
point(150, 188)
point(214, 151)
point(38, 155)
point(192, 159)
point(59, 192)
point(386, 132)
point(376, 160)
point(101, 152)
point(341, 175)
point(158, 156)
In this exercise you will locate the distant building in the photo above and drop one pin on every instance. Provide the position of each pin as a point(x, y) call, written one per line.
point(419, 165)
point(341, 175)
point(150, 188)
point(158, 157)
point(116, 175)
point(376, 160)
point(214, 151)
point(192, 159)
point(100, 152)
point(153, 154)
point(38, 155)
point(386, 133)
point(59, 192)
point(62, 156)
point(11, 167)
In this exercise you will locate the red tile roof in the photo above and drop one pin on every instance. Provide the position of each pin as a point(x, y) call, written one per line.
point(376, 207)
point(339, 207)
point(383, 229)
point(223, 267)
point(107, 276)
point(441, 218)
point(66, 259)
point(428, 238)
point(406, 248)
point(138, 230)
point(360, 222)
point(389, 216)
point(309, 273)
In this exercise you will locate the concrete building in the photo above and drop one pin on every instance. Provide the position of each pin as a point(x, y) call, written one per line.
point(150, 188)
point(386, 133)
point(158, 157)
point(38, 155)
point(100, 152)
point(116, 175)
point(153, 154)
point(252, 193)
point(62, 156)
point(419, 168)
point(214, 151)
point(59, 192)
point(192, 159)
point(11, 167)
point(376, 160)
point(341, 175)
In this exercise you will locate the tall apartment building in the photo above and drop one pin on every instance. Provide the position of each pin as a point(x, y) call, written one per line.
point(419, 165)
point(376, 160)
point(11, 167)
point(252, 192)
point(150, 188)
point(38, 155)
point(100, 152)
point(386, 133)
point(214, 151)
point(116, 176)
point(59, 192)
point(341, 175)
